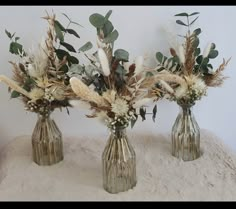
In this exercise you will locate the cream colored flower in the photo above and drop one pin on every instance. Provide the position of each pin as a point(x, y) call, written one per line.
point(142, 102)
point(181, 91)
point(36, 93)
point(120, 107)
point(102, 117)
point(104, 62)
point(181, 54)
point(110, 96)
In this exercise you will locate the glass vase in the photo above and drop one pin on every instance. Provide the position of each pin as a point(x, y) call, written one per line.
point(47, 145)
point(186, 135)
point(119, 162)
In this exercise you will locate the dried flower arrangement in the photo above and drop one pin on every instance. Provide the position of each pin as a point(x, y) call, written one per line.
point(186, 75)
point(40, 78)
point(119, 87)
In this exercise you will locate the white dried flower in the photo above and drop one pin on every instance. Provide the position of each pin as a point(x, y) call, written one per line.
point(120, 107)
point(110, 96)
point(57, 92)
point(142, 102)
point(207, 50)
point(139, 65)
point(181, 91)
point(166, 86)
point(36, 93)
point(199, 85)
point(181, 54)
point(104, 62)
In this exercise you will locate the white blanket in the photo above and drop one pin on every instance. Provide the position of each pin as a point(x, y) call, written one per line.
point(78, 177)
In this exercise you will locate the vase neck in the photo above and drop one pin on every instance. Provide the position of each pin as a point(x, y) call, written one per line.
point(186, 109)
point(118, 132)
point(44, 116)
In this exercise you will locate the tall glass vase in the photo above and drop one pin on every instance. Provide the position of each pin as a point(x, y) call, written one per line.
point(119, 163)
point(47, 145)
point(186, 135)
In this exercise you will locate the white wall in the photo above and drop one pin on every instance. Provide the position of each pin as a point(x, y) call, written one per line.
point(140, 29)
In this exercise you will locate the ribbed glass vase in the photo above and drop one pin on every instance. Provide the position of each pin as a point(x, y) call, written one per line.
point(186, 135)
point(119, 162)
point(47, 145)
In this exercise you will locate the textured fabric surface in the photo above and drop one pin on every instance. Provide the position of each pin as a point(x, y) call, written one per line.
point(160, 176)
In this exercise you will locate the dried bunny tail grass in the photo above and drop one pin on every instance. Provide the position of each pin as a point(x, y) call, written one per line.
point(169, 77)
point(13, 85)
point(82, 91)
point(17, 74)
point(189, 54)
point(217, 78)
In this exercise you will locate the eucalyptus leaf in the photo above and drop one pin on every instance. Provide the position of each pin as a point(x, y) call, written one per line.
point(122, 55)
point(107, 28)
point(205, 61)
point(133, 121)
point(213, 46)
point(73, 32)
point(97, 20)
point(209, 66)
point(180, 22)
point(197, 31)
point(142, 113)
point(108, 15)
point(60, 26)
point(182, 14)
point(8, 34)
point(194, 20)
point(86, 47)
point(111, 37)
point(67, 46)
point(197, 52)
point(154, 111)
point(15, 94)
point(196, 42)
point(66, 16)
point(59, 33)
point(73, 60)
point(199, 59)
point(120, 70)
point(76, 69)
point(16, 39)
point(61, 53)
point(213, 54)
point(194, 13)
point(149, 74)
point(64, 68)
point(15, 48)
point(159, 57)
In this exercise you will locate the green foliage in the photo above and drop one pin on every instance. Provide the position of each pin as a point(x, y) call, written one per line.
point(133, 121)
point(154, 111)
point(104, 26)
point(68, 46)
point(121, 55)
point(14, 94)
point(86, 47)
point(73, 32)
point(142, 112)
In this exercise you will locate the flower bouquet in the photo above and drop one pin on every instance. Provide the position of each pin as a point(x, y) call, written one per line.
point(185, 77)
point(114, 89)
point(41, 81)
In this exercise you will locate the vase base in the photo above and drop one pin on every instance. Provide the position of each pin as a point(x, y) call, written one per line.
point(47, 155)
point(124, 189)
point(186, 156)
